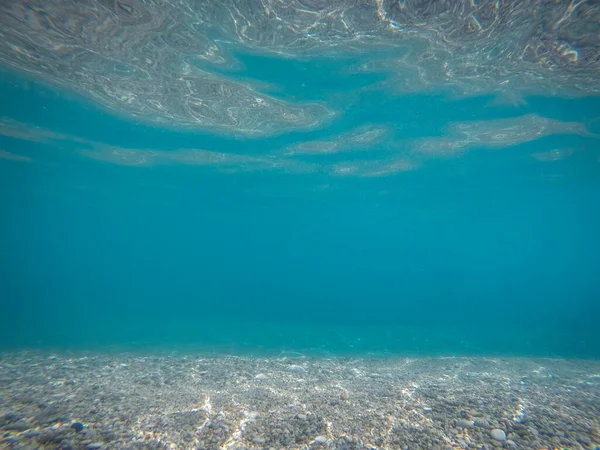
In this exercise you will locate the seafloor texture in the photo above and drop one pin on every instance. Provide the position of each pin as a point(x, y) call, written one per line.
point(293, 402)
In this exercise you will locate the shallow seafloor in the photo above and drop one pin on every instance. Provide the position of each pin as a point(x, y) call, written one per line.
point(142, 401)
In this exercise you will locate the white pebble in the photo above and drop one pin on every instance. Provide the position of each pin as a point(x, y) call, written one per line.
point(498, 434)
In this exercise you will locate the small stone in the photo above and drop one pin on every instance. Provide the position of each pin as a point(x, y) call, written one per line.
point(482, 423)
point(77, 426)
point(19, 425)
point(320, 440)
point(11, 417)
point(302, 416)
point(52, 435)
point(498, 435)
point(30, 433)
point(88, 433)
point(465, 424)
point(584, 439)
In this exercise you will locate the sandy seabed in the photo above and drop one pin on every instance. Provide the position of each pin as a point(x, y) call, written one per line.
point(133, 401)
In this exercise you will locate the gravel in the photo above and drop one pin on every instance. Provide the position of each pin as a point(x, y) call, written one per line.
point(133, 401)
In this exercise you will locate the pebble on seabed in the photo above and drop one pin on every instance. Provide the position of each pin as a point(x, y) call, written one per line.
point(498, 434)
point(77, 426)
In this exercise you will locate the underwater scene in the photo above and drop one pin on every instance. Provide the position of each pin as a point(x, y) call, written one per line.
point(303, 224)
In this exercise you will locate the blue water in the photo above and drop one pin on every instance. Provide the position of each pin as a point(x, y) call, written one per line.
point(490, 251)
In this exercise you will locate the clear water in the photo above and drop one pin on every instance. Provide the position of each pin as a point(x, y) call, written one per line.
point(455, 215)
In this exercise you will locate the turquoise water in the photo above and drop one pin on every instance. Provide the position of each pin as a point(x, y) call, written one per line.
point(453, 224)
